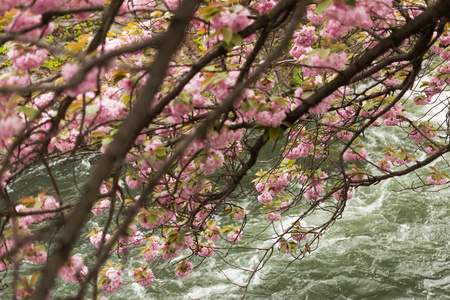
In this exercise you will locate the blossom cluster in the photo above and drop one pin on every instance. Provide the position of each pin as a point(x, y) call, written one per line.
point(111, 279)
point(182, 269)
point(83, 108)
point(318, 65)
point(73, 270)
point(236, 19)
point(144, 276)
point(27, 59)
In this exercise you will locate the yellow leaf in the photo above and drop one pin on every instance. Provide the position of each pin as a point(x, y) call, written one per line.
point(59, 81)
point(131, 25)
point(34, 277)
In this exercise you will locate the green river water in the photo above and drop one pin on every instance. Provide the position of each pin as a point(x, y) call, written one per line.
point(391, 243)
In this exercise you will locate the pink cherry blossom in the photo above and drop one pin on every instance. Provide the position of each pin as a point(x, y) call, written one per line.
point(384, 165)
point(240, 214)
point(278, 184)
point(236, 19)
point(213, 162)
point(213, 233)
point(96, 238)
point(88, 84)
point(113, 280)
point(37, 256)
point(314, 191)
point(44, 99)
point(143, 276)
point(305, 37)
point(235, 236)
point(286, 249)
point(345, 135)
point(172, 4)
point(24, 221)
point(101, 207)
point(207, 251)
point(432, 180)
point(264, 6)
point(349, 16)
point(270, 118)
point(10, 126)
point(299, 52)
point(274, 216)
point(430, 150)
point(299, 236)
point(323, 106)
point(133, 5)
point(402, 161)
point(24, 20)
point(390, 117)
point(301, 150)
point(265, 197)
point(26, 60)
point(41, 6)
point(340, 195)
point(428, 131)
point(352, 155)
point(186, 243)
point(316, 19)
point(182, 269)
point(334, 30)
point(379, 8)
point(73, 270)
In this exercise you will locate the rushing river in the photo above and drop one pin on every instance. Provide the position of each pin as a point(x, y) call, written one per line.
point(391, 243)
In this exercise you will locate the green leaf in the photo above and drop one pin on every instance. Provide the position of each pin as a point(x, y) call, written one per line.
point(275, 133)
point(227, 34)
point(119, 75)
point(314, 52)
point(180, 239)
point(160, 153)
point(185, 97)
point(264, 107)
point(350, 2)
point(106, 141)
point(209, 12)
point(339, 46)
point(245, 106)
point(28, 111)
point(236, 39)
point(333, 156)
point(40, 248)
point(324, 53)
point(287, 124)
point(322, 6)
point(307, 94)
point(279, 100)
point(216, 157)
point(152, 219)
point(101, 281)
point(227, 46)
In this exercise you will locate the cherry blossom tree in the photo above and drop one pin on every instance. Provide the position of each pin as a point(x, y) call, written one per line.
point(185, 102)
